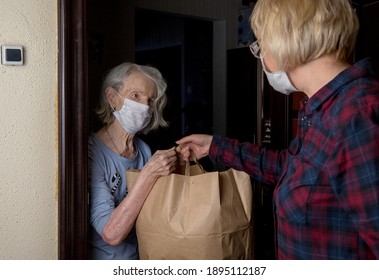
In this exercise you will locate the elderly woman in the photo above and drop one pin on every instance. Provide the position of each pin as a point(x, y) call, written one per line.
point(326, 197)
point(133, 97)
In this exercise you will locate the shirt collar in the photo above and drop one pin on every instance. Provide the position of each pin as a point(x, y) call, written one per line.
point(360, 69)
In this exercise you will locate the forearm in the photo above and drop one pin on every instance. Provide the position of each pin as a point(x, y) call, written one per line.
point(124, 215)
point(262, 164)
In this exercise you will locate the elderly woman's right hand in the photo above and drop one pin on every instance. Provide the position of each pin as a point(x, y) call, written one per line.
point(163, 162)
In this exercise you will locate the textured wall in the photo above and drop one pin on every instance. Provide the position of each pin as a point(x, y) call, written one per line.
point(28, 138)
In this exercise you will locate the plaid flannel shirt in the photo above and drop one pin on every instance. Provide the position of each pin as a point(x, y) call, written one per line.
point(326, 197)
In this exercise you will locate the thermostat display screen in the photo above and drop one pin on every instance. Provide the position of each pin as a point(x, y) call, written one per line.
point(11, 55)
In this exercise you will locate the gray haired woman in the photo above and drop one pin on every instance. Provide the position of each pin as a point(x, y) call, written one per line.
point(132, 100)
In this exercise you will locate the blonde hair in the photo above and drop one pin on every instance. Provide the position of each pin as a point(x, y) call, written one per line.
point(298, 31)
point(115, 79)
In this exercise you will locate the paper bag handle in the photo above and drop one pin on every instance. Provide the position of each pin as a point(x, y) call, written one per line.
point(187, 170)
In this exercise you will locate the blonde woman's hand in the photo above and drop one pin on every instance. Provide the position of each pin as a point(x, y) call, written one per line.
point(195, 146)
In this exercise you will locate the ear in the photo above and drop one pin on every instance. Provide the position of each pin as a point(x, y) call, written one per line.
point(111, 96)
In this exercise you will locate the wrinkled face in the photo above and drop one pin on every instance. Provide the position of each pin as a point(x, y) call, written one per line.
point(137, 87)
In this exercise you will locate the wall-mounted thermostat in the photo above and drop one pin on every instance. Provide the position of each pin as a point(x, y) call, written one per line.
point(12, 55)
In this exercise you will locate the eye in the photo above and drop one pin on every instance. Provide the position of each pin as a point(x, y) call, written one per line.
point(135, 94)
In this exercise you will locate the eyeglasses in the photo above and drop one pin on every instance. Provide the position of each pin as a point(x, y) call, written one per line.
point(255, 49)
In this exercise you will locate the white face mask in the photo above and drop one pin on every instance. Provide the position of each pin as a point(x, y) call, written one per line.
point(133, 116)
point(279, 81)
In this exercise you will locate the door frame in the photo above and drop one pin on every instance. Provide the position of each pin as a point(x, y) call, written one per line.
point(72, 130)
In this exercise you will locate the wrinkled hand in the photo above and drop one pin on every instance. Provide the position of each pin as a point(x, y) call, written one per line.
point(162, 163)
point(195, 146)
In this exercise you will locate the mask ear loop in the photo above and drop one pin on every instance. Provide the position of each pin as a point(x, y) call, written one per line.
point(119, 95)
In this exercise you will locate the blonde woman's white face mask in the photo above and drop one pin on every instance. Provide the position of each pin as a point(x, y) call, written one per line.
point(279, 80)
point(133, 116)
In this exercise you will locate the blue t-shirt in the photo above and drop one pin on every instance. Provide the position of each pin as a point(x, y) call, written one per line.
point(107, 188)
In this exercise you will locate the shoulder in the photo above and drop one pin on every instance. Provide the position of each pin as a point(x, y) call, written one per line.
point(97, 150)
point(360, 98)
point(93, 142)
point(358, 116)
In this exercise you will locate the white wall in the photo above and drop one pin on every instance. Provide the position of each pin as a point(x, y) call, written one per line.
point(28, 132)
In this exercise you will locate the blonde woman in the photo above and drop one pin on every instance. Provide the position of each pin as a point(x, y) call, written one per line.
point(326, 197)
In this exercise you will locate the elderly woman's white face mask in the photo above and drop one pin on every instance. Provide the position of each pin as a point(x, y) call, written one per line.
point(133, 116)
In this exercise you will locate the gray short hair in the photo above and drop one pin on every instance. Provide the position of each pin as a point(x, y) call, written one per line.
point(115, 79)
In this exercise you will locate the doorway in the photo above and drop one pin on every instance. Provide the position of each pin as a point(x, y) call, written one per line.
point(77, 61)
point(73, 123)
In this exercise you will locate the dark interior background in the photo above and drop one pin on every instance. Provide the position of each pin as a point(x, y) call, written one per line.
point(181, 48)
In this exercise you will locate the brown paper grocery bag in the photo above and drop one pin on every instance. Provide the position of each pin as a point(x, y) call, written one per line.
point(198, 216)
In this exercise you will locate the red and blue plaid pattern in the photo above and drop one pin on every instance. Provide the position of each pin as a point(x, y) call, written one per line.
point(326, 198)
